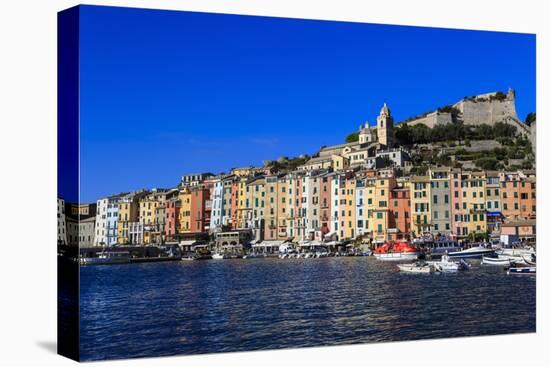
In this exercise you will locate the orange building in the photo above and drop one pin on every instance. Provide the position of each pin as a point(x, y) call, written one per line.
point(518, 196)
point(200, 208)
point(400, 213)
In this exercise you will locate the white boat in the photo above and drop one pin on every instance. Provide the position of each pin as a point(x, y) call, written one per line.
point(516, 251)
point(424, 268)
point(498, 261)
point(525, 270)
point(396, 251)
point(446, 264)
point(397, 256)
point(472, 253)
point(217, 256)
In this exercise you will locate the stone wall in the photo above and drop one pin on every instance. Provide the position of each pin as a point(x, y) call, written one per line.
point(432, 119)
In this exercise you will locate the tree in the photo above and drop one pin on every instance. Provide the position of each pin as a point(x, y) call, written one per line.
point(352, 138)
point(504, 130)
point(487, 163)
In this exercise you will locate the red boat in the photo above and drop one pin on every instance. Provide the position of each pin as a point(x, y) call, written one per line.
point(393, 251)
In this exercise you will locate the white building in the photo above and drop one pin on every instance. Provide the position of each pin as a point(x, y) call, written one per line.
point(101, 223)
point(360, 207)
point(86, 232)
point(217, 205)
point(135, 233)
point(112, 221)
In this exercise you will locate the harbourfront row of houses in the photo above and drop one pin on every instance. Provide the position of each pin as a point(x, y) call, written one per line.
point(372, 205)
point(361, 190)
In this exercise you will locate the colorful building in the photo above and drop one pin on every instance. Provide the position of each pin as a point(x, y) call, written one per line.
point(440, 201)
point(420, 205)
point(492, 202)
point(128, 212)
point(400, 212)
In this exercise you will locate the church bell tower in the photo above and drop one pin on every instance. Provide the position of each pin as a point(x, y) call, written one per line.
point(384, 127)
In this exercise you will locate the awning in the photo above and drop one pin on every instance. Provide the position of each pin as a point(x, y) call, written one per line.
point(310, 243)
point(494, 214)
point(187, 243)
point(268, 244)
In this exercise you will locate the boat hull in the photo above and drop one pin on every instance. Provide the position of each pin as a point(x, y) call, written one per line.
point(103, 261)
point(470, 254)
point(397, 256)
point(495, 261)
point(424, 269)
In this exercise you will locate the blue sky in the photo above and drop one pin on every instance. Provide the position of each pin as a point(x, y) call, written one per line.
point(165, 93)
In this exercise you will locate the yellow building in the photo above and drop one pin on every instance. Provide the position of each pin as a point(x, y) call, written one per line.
point(184, 216)
point(128, 212)
point(152, 215)
point(347, 207)
point(420, 205)
point(380, 211)
point(271, 208)
point(473, 202)
point(242, 209)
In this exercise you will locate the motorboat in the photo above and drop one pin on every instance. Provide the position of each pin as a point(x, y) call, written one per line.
point(525, 270)
point(447, 265)
point(472, 253)
point(515, 251)
point(440, 247)
point(217, 256)
point(107, 258)
point(417, 267)
point(396, 251)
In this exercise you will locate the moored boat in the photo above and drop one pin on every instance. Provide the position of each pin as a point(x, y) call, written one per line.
point(440, 247)
point(417, 267)
point(446, 264)
point(217, 256)
point(472, 253)
point(107, 258)
point(497, 261)
point(526, 270)
point(396, 251)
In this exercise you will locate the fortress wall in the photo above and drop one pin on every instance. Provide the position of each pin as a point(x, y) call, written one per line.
point(487, 112)
point(433, 119)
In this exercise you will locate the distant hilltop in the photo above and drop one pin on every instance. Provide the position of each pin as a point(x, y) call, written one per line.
point(488, 108)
